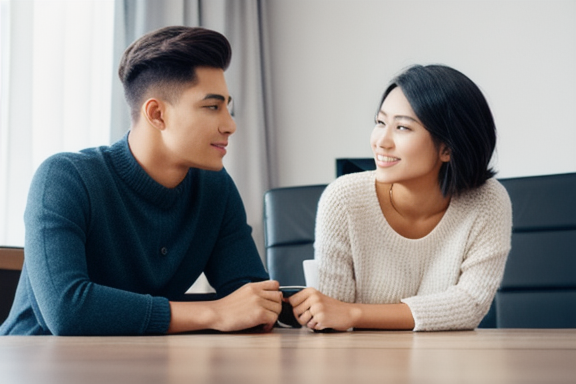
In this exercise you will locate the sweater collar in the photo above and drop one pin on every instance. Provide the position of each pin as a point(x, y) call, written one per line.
point(138, 180)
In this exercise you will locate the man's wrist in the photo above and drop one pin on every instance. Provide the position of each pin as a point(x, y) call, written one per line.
point(192, 316)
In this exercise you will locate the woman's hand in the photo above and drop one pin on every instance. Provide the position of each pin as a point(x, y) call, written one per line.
point(318, 311)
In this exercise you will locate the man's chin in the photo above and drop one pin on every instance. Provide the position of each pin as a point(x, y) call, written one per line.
point(209, 167)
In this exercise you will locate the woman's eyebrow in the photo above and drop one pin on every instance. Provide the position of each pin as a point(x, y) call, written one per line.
point(399, 117)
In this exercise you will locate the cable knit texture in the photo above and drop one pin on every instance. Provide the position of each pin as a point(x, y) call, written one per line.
point(448, 278)
point(107, 246)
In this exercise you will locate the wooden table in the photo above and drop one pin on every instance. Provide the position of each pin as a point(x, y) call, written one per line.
point(295, 356)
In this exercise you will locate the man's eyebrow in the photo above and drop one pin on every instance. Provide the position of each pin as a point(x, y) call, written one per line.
point(217, 97)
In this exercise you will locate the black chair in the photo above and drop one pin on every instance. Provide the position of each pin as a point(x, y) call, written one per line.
point(289, 220)
point(345, 166)
point(11, 261)
point(539, 285)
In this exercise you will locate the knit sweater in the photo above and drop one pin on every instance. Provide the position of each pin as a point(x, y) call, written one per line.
point(107, 247)
point(448, 278)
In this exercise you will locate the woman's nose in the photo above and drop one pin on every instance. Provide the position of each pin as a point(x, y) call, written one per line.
point(384, 139)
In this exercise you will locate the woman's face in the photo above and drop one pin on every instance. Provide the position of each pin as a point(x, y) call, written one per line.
point(403, 149)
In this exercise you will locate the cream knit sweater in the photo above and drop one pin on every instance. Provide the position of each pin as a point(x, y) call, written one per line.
point(448, 278)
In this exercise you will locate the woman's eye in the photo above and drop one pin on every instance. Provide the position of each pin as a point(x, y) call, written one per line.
point(379, 122)
point(212, 107)
point(403, 128)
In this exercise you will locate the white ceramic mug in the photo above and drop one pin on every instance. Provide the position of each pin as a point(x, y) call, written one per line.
point(311, 273)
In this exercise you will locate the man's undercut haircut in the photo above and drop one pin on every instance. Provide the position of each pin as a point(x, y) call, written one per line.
point(165, 61)
point(453, 109)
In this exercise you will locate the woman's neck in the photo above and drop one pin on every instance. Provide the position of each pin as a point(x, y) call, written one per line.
point(412, 211)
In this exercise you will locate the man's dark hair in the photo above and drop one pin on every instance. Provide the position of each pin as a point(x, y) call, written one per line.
point(166, 60)
point(453, 109)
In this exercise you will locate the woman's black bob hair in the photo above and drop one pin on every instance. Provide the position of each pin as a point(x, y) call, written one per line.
point(453, 109)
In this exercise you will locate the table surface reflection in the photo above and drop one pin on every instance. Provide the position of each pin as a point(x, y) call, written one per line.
point(296, 356)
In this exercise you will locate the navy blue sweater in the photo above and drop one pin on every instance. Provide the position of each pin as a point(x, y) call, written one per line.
point(107, 246)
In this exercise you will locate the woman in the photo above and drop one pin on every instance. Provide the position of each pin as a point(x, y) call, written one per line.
point(421, 242)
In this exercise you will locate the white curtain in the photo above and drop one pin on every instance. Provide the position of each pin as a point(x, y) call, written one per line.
point(55, 91)
point(251, 161)
point(60, 91)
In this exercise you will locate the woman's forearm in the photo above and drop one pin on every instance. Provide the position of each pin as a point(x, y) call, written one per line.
point(382, 316)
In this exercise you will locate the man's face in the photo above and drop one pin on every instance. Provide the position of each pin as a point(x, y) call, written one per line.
point(198, 125)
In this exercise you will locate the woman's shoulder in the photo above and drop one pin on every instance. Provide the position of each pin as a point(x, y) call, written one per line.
point(491, 189)
point(351, 185)
point(490, 196)
point(349, 191)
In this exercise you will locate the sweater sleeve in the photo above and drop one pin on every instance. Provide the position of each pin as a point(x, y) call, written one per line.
point(463, 305)
point(332, 246)
point(64, 300)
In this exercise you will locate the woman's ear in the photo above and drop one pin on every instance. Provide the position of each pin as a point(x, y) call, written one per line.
point(154, 112)
point(444, 153)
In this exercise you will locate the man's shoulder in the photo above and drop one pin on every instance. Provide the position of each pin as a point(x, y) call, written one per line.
point(87, 163)
point(83, 157)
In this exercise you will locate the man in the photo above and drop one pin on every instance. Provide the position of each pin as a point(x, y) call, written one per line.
point(116, 235)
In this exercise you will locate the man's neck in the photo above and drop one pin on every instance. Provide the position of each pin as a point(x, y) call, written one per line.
point(147, 148)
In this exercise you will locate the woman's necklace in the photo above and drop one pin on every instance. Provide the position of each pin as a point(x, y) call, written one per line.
point(392, 199)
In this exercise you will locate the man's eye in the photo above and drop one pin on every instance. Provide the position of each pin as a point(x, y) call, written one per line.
point(212, 107)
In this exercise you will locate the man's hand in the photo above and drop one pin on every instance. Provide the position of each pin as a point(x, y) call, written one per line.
point(250, 305)
point(254, 304)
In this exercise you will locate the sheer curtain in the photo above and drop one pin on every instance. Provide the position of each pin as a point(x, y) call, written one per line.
point(56, 76)
point(60, 91)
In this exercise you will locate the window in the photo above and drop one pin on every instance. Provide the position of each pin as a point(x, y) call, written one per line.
point(56, 74)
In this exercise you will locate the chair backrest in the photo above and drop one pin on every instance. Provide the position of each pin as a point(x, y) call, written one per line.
point(539, 285)
point(11, 261)
point(289, 220)
point(345, 166)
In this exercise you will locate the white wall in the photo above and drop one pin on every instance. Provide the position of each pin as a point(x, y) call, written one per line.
point(331, 60)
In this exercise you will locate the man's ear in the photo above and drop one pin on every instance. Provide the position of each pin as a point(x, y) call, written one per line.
point(154, 112)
